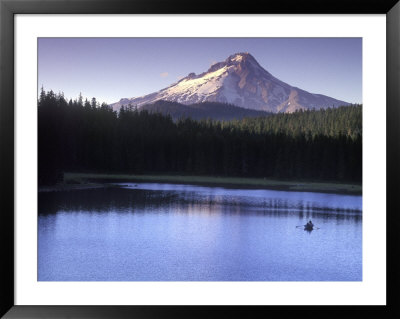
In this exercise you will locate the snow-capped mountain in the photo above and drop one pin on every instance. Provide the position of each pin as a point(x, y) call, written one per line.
point(239, 80)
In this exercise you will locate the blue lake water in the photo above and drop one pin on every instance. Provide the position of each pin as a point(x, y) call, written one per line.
point(168, 232)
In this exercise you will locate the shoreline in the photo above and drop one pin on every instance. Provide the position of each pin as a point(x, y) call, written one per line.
point(79, 181)
point(62, 187)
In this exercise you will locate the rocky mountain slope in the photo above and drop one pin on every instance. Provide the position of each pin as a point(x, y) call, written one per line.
point(239, 80)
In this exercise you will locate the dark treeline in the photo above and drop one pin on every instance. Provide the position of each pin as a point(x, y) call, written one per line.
point(199, 111)
point(333, 122)
point(85, 136)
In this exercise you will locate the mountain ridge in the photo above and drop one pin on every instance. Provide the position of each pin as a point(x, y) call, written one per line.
point(239, 80)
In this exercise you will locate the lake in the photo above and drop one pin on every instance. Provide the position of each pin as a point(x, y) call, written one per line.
point(169, 232)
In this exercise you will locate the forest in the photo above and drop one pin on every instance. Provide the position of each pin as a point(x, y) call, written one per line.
point(202, 111)
point(85, 136)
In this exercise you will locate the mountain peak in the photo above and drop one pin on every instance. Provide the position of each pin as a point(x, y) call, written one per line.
point(239, 80)
point(240, 56)
point(243, 59)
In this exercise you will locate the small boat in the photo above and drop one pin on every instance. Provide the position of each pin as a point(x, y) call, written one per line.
point(308, 227)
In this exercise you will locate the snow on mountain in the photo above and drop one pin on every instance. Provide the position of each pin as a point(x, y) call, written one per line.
point(239, 80)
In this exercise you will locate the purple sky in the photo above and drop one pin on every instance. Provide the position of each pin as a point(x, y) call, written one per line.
point(114, 68)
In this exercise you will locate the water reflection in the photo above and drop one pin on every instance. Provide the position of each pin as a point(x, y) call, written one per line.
point(136, 198)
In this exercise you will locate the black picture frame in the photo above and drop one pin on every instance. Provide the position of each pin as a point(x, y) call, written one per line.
point(8, 8)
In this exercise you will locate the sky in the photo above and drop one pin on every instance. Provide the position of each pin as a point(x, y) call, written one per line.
point(113, 68)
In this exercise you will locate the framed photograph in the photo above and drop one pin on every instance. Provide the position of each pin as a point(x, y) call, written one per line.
point(160, 159)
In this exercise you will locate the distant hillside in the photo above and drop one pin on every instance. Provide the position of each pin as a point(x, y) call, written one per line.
point(207, 110)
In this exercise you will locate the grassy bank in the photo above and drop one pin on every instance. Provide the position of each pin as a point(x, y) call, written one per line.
point(72, 185)
point(325, 187)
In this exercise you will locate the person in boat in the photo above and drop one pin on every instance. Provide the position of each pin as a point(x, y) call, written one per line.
point(310, 224)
